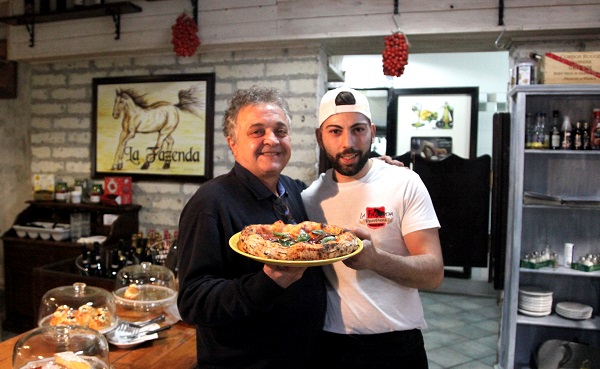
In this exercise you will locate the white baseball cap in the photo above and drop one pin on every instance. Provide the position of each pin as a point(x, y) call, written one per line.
point(328, 106)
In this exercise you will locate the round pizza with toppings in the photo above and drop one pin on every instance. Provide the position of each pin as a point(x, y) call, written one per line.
point(301, 242)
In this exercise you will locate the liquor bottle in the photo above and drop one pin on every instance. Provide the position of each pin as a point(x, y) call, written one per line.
point(529, 127)
point(555, 136)
point(85, 261)
point(578, 136)
point(115, 264)
point(595, 130)
point(566, 139)
point(586, 137)
point(538, 132)
point(97, 262)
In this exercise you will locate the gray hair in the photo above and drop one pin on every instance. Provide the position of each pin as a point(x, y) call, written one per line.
point(252, 96)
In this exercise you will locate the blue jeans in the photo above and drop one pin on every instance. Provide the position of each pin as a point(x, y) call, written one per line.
point(393, 350)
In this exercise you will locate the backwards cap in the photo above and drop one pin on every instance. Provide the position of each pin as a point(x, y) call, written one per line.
point(328, 106)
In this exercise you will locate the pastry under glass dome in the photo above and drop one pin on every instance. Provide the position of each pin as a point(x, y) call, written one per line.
point(63, 346)
point(78, 304)
point(144, 291)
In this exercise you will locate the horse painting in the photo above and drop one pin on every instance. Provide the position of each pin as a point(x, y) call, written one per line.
point(160, 117)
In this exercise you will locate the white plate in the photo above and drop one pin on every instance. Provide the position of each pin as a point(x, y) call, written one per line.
point(534, 291)
point(120, 339)
point(535, 313)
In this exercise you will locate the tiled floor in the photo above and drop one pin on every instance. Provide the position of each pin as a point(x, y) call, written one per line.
point(463, 327)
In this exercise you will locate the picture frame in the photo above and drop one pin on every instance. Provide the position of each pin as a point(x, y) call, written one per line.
point(154, 128)
point(447, 112)
point(431, 148)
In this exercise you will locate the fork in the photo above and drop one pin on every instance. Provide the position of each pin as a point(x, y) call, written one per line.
point(134, 329)
point(139, 334)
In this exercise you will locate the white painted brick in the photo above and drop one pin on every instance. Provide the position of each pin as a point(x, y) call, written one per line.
point(48, 138)
point(240, 71)
point(305, 85)
point(45, 166)
point(41, 123)
point(278, 84)
point(41, 152)
point(158, 187)
point(84, 79)
point(154, 61)
point(42, 109)
point(70, 152)
point(71, 123)
point(79, 166)
point(168, 203)
point(83, 138)
point(40, 94)
point(72, 64)
point(108, 63)
point(158, 219)
point(80, 108)
point(292, 68)
point(49, 80)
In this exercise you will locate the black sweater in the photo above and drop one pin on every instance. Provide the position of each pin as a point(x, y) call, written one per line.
point(243, 319)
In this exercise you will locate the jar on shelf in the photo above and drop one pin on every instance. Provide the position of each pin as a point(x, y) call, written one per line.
point(61, 191)
point(96, 193)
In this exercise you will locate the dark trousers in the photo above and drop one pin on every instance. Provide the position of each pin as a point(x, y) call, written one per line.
point(394, 350)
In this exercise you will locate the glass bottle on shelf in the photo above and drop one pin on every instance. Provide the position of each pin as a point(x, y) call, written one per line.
point(585, 136)
point(578, 136)
point(555, 136)
point(96, 193)
point(566, 139)
point(529, 128)
point(539, 132)
point(61, 191)
point(595, 130)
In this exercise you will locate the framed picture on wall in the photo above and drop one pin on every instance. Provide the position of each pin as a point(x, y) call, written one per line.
point(448, 113)
point(154, 127)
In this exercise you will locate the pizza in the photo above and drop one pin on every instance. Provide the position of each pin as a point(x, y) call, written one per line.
point(304, 241)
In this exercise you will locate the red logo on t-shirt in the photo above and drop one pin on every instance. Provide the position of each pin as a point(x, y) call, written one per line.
point(376, 217)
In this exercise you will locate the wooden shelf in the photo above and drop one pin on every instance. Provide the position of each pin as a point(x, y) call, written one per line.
point(92, 11)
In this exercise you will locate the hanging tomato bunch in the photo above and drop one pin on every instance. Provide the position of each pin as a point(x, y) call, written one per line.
point(395, 54)
point(185, 36)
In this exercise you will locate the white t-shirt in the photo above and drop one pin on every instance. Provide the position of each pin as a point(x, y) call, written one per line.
point(389, 202)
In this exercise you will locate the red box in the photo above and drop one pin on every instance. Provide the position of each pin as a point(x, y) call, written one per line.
point(120, 189)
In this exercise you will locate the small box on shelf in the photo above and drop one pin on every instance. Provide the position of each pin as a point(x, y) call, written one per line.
point(585, 268)
point(536, 265)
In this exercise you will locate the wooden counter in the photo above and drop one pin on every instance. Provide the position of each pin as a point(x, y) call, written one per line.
point(174, 349)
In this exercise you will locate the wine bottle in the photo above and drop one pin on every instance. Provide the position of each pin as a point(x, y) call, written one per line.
point(555, 136)
point(595, 130)
point(566, 139)
point(586, 136)
point(578, 136)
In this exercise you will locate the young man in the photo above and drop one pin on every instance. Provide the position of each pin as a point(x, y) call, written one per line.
point(248, 314)
point(374, 314)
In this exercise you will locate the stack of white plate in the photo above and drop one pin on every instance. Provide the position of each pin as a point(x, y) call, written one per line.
point(573, 310)
point(535, 301)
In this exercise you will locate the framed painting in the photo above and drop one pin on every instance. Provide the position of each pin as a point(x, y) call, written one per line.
point(445, 115)
point(154, 127)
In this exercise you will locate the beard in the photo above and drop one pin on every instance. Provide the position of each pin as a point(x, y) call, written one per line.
point(349, 170)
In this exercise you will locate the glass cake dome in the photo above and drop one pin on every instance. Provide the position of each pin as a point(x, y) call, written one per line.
point(63, 346)
point(144, 291)
point(79, 304)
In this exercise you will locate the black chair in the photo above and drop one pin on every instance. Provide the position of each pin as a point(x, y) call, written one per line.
point(460, 192)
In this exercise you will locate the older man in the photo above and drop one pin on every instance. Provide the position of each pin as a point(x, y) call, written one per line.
point(248, 314)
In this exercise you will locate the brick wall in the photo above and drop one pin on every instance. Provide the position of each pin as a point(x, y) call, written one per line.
point(61, 105)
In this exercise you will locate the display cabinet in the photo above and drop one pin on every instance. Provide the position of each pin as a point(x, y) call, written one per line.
point(566, 209)
point(23, 254)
